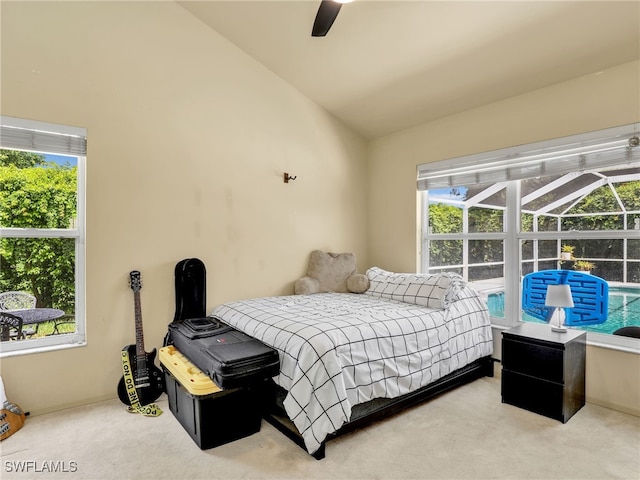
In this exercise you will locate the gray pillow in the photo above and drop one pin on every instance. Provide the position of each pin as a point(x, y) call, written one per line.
point(331, 270)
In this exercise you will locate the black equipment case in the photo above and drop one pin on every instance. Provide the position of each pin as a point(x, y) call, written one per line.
point(229, 357)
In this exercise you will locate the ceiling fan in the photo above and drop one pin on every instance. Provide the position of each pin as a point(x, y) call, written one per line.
point(325, 17)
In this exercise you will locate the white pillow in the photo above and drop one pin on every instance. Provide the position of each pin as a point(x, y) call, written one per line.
point(425, 289)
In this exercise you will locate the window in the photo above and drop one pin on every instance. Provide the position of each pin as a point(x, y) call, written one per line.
point(42, 232)
point(514, 215)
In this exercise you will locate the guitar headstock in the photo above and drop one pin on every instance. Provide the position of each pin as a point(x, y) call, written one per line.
point(134, 281)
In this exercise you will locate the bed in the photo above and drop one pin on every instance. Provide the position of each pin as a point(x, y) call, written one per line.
point(347, 359)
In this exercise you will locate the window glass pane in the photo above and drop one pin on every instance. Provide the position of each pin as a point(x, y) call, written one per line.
point(485, 251)
point(547, 265)
point(486, 205)
point(546, 223)
point(610, 271)
point(37, 191)
point(535, 189)
point(527, 249)
point(445, 252)
point(445, 210)
point(485, 219)
point(497, 199)
point(548, 249)
point(43, 267)
point(487, 194)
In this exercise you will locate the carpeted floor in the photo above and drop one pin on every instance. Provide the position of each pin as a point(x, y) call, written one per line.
point(464, 434)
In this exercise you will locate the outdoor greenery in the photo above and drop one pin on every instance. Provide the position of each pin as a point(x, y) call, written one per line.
point(598, 205)
point(38, 194)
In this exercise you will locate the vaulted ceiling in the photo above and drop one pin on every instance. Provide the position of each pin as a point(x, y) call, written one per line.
point(389, 65)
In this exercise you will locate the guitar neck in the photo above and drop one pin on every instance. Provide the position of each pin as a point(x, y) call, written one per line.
point(140, 353)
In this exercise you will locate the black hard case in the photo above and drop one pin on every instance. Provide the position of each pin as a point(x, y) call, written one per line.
point(230, 358)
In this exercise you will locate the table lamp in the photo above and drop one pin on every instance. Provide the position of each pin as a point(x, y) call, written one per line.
point(558, 296)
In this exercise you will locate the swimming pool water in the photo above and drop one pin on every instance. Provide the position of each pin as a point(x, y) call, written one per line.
point(624, 310)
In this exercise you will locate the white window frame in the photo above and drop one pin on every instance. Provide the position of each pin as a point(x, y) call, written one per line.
point(510, 165)
point(65, 140)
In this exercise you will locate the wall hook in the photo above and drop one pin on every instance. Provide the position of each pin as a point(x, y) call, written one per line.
point(288, 177)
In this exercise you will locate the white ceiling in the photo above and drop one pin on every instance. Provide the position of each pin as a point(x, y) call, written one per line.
point(389, 65)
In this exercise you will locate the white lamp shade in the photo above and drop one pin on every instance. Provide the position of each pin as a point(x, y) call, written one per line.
point(558, 296)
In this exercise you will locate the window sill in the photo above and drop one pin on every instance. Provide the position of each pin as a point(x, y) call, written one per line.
point(614, 342)
point(28, 350)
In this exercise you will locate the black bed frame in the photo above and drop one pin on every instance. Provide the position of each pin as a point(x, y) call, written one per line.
point(277, 417)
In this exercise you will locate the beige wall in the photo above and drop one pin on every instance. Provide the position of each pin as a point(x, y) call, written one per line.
point(604, 99)
point(188, 140)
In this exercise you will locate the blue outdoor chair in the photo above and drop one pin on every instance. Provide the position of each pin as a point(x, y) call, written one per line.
point(590, 296)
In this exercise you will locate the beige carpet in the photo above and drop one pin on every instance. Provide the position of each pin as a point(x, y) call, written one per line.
point(467, 433)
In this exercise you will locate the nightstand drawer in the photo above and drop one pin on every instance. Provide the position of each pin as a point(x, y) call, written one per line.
point(533, 359)
point(533, 394)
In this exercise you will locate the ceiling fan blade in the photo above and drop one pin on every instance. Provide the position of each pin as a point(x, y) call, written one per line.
point(325, 17)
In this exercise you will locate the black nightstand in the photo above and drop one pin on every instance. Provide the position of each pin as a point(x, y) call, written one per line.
point(544, 371)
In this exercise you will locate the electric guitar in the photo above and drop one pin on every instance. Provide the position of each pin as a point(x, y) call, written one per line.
point(147, 378)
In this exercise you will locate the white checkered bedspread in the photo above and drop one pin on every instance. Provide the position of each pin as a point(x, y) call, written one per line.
point(340, 349)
